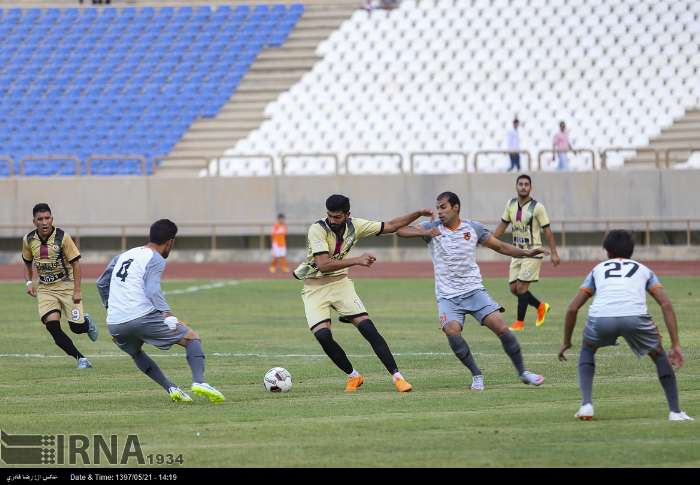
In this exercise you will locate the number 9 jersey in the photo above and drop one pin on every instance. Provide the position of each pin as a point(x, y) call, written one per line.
point(620, 287)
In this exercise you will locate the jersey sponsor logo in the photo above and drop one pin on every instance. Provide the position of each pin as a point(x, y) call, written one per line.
point(51, 278)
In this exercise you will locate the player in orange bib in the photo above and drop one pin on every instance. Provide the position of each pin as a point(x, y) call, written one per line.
point(279, 245)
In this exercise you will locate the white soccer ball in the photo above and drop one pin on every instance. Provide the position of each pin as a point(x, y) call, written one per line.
point(278, 379)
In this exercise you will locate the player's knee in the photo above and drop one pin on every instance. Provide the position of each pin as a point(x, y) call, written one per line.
point(78, 327)
point(452, 328)
point(521, 288)
point(514, 289)
point(323, 335)
point(52, 325)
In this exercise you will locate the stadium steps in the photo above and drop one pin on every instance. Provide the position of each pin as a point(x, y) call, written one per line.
point(683, 133)
point(273, 72)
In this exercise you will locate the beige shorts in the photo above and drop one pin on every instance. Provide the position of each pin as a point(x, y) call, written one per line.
point(59, 300)
point(338, 295)
point(524, 269)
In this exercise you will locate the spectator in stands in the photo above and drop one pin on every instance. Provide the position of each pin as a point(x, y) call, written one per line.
point(561, 146)
point(380, 4)
point(513, 142)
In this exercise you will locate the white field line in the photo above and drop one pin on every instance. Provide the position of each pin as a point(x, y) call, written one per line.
point(198, 288)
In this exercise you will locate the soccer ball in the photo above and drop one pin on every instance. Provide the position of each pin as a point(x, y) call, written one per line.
point(278, 379)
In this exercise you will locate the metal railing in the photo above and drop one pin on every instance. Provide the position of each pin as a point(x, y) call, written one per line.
point(184, 163)
point(285, 158)
point(669, 151)
point(42, 158)
point(212, 166)
point(352, 155)
point(97, 158)
point(463, 155)
point(260, 230)
point(500, 152)
point(604, 155)
point(10, 164)
point(542, 153)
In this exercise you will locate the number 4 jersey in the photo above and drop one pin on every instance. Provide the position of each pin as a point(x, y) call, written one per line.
point(620, 287)
point(130, 286)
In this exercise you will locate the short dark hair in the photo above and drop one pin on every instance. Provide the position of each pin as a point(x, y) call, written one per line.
point(162, 230)
point(451, 198)
point(619, 243)
point(41, 207)
point(280, 216)
point(337, 202)
point(523, 176)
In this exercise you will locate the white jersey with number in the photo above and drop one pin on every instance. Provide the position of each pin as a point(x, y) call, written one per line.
point(620, 287)
point(128, 295)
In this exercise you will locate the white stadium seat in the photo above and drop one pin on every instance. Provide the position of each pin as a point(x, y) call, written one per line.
point(439, 74)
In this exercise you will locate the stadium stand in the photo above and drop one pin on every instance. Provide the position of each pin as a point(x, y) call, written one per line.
point(119, 87)
point(446, 76)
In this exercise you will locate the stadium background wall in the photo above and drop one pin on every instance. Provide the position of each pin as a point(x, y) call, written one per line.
point(111, 209)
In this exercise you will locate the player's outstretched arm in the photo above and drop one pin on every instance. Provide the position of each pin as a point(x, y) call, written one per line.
point(327, 265)
point(401, 221)
point(500, 229)
point(674, 353)
point(510, 250)
point(104, 281)
point(570, 321)
point(417, 231)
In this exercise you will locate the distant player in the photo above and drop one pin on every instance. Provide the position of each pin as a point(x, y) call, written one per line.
point(57, 262)
point(619, 309)
point(137, 312)
point(528, 217)
point(327, 286)
point(458, 285)
point(279, 245)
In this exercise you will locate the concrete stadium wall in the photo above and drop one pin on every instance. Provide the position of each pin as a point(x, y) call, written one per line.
point(137, 201)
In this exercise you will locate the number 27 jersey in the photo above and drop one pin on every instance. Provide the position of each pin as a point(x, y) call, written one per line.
point(128, 298)
point(620, 287)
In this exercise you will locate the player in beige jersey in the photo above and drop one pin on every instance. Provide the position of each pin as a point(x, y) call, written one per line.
point(56, 258)
point(528, 218)
point(327, 286)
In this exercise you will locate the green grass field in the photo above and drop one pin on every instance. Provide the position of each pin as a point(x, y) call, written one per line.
point(251, 326)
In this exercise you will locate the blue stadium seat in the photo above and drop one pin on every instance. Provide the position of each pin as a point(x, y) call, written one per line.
point(111, 80)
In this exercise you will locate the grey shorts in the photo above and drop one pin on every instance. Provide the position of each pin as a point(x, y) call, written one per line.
point(477, 303)
point(639, 331)
point(150, 329)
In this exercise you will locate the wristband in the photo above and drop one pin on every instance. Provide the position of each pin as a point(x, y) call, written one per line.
point(171, 322)
point(29, 282)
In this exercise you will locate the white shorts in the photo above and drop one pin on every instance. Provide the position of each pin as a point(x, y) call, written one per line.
point(279, 251)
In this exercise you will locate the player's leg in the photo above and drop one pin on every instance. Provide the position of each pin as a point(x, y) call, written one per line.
point(52, 323)
point(452, 323)
point(381, 349)
point(494, 322)
point(127, 336)
point(642, 335)
point(283, 259)
point(513, 281)
point(195, 359)
point(667, 378)
point(586, 372)
point(318, 316)
point(78, 321)
point(351, 309)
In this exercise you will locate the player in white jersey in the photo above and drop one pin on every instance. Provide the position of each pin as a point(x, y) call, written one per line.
point(137, 312)
point(619, 309)
point(458, 285)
